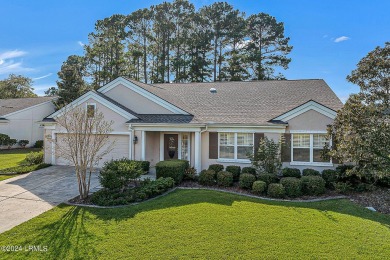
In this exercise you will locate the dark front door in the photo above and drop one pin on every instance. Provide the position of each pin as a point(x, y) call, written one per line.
point(171, 143)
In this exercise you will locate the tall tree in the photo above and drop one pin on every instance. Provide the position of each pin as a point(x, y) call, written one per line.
point(16, 86)
point(361, 129)
point(71, 83)
point(267, 46)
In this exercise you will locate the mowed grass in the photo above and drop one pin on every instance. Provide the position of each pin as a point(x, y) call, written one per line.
point(205, 224)
point(13, 157)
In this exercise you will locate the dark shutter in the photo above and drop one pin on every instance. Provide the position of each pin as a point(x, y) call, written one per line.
point(286, 148)
point(213, 145)
point(256, 140)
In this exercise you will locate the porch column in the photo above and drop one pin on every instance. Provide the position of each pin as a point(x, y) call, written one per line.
point(198, 155)
point(143, 145)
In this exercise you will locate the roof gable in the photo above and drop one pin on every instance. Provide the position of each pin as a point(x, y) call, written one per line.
point(16, 105)
point(112, 105)
point(310, 105)
point(134, 86)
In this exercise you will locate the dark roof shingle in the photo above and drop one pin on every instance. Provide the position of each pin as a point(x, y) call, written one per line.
point(8, 106)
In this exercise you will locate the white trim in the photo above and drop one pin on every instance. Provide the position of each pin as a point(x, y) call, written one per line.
point(100, 100)
point(311, 105)
point(167, 129)
point(198, 154)
point(323, 164)
point(161, 146)
point(249, 130)
point(131, 145)
point(4, 122)
point(234, 161)
point(27, 108)
point(139, 90)
point(307, 132)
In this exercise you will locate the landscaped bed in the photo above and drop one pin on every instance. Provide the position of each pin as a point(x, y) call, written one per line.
point(206, 224)
point(14, 157)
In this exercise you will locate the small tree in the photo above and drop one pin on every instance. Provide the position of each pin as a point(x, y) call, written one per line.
point(4, 139)
point(85, 143)
point(267, 157)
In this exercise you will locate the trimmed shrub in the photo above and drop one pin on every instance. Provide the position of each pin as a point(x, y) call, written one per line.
point(12, 142)
point(330, 177)
point(310, 172)
point(268, 178)
point(292, 186)
point(291, 172)
point(216, 167)
point(172, 168)
point(276, 190)
point(207, 177)
point(24, 169)
point(190, 174)
point(34, 158)
point(235, 170)
point(343, 187)
point(23, 143)
point(249, 170)
point(259, 187)
point(246, 180)
point(147, 189)
point(313, 185)
point(4, 139)
point(344, 175)
point(38, 144)
point(117, 174)
point(225, 178)
point(145, 166)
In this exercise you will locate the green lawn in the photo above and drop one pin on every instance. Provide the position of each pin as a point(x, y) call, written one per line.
point(206, 224)
point(13, 157)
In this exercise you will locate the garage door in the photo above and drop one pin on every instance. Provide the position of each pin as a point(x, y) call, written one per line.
point(120, 150)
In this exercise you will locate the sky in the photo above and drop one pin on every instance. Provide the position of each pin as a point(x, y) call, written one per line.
point(329, 37)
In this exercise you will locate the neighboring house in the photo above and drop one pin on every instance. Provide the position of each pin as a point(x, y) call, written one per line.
point(19, 117)
point(209, 123)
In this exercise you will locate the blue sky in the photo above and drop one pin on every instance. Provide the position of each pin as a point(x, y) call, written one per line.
point(329, 37)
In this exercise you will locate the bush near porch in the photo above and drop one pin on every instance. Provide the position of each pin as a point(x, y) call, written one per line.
point(172, 168)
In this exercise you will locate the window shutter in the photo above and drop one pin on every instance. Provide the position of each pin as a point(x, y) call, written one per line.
point(256, 140)
point(286, 148)
point(213, 145)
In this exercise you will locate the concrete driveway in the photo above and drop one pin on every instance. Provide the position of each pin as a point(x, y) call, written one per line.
point(29, 195)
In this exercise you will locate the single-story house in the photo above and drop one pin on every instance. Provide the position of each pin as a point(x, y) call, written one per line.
point(208, 123)
point(19, 117)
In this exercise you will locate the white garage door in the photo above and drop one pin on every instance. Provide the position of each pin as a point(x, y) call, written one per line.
point(120, 150)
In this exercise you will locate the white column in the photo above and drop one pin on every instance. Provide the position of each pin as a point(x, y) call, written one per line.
point(198, 155)
point(161, 146)
point(131, 136)
point(143, 143)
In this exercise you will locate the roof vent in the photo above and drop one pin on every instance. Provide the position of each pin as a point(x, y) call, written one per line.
point(213, 90)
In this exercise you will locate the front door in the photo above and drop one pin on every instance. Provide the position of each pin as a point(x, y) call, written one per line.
point(171, 144)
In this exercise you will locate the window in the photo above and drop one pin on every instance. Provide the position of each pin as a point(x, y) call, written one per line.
point(235, 145)
point(185, 146)
point(308, 148)
point(91, 110)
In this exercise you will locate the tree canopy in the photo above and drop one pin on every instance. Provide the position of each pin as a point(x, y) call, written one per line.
point(16, 86)
point(361, 130)
point(174, 42)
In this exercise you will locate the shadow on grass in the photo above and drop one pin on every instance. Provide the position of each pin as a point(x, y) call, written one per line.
point(67, 234)
point(187, 197)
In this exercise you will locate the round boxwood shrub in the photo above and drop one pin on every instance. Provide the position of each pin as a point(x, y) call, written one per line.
point(247, 180)
point(313, 185)
point(235, 170)
point(259, 187)
point(249, 170)
point(310, 172)
point(276, 190)
point(171, 168)
point(291, 172)
point(292, 186)
point(268, 178)
point(216, 167)
point(225, 178)
point(207, 177)
point(330, 177)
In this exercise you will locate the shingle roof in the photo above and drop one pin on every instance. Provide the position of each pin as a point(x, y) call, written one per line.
point(8, 106)
point(163, 118)
point(243, 102)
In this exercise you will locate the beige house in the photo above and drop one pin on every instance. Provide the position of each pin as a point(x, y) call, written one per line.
point(209, 123)
point(19, 117)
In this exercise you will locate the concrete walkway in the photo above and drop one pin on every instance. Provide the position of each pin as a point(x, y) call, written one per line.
point(29, 195)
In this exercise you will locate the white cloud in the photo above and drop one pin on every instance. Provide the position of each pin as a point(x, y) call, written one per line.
point(9, 65)
point(341, 39)
point(81, 43)
point(42, 77)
